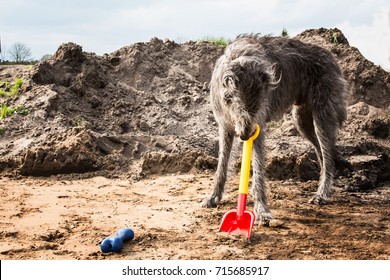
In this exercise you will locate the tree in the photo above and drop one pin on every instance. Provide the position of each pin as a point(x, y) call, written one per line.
point(19, 52)
point(284, 32)
point(46, 57)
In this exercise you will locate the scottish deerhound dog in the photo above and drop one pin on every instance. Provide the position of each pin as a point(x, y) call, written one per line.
point(258, 79)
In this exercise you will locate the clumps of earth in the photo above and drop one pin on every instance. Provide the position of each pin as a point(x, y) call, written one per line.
point(144, 109)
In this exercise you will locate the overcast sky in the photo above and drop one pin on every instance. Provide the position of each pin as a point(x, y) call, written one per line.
point(107, 25)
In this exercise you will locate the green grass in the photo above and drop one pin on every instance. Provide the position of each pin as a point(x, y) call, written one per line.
point(22, 110)
point(7, 89)
point(18, 84)
point(335, 40)
point(6, 111)
point(2, 130)
point(220, 41)
point(4, 87)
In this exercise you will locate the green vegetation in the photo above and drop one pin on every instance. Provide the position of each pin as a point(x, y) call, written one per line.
point(220, 41)
point(2, 130)
point(3, 88)
point(334, 37)
point(6, 111)
point(7, 89)
point(80, 121)
point(18, 84)
point(284, 32)
point(22, 110)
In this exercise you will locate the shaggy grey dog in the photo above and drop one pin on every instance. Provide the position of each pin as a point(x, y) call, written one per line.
point(257, 80)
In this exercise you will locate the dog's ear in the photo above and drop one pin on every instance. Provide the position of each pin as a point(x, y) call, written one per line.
point(274, 81)
point(227, 81)
point(233, 74)
point(230, 78)
point(267, 75)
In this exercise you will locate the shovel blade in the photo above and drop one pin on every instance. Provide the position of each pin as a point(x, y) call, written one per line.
point(234, 224)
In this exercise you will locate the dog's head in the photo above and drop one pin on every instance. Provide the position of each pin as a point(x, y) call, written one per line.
point(247, 81)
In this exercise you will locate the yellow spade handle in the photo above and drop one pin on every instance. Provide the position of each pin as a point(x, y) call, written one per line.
point(246, 162)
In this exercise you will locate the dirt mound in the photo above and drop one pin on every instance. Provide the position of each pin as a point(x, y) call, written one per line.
point(368, 82)
point(145, 109)
point(55, 156)
point(115, 112)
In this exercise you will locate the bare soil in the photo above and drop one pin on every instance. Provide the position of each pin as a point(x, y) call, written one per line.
point(128, 140)
point(52, 218)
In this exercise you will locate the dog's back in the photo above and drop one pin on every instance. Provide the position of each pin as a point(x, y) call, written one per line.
point(306, 72)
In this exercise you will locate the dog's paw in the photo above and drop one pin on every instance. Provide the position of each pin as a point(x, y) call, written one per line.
point(318, 200)
point(263, 215)
point(263, 218)
point(211, 202)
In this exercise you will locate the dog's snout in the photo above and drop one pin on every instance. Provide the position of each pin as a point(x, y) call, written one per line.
point(246, 133)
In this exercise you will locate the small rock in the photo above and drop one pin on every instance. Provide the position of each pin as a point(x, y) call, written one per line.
point(275, 223)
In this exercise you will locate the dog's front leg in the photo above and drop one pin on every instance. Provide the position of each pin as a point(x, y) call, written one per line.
point(261, 208)
point(225, 147)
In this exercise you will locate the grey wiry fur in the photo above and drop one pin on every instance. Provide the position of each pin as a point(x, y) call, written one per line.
point(256, 80)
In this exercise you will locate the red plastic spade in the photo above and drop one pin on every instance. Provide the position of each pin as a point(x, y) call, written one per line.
point(241, 221)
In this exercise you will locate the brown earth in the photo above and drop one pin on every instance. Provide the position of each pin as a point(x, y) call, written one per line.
point(128, 139)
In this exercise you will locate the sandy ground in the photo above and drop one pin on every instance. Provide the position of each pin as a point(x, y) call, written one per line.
point(62, 218)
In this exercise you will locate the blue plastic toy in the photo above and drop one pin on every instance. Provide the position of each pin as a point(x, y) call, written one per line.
point(115, 243)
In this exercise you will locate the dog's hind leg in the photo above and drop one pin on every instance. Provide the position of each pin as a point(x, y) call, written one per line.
point(326, 131)
point(225, 147)
point(303, 119)
point(261, 208)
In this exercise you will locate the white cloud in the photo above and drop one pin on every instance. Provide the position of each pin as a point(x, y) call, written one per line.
point(106, 25)
point(372, 39)
point(195, 18)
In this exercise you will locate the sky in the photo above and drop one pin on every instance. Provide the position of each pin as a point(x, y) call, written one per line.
point(107, 25)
